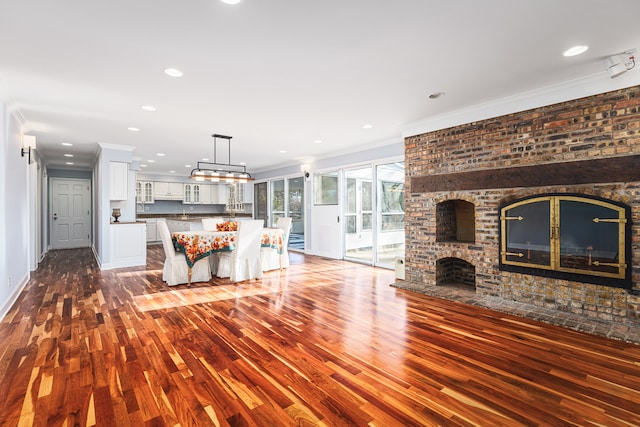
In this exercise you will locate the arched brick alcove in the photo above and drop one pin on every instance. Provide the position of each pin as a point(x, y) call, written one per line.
point(453, 271)
point(455, 221)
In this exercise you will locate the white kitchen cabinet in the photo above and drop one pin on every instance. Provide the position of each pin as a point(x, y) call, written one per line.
point(118, 180)
point(197, 194)
point(240, 195)
point(205, 194)
point(187, 195)
point(248, 193)
point(144, 192)
point(167, 190)
point(152, 230)
point(219, 194)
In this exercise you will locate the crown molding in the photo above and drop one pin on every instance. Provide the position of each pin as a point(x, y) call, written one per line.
point(574, 89)
point(117, 147)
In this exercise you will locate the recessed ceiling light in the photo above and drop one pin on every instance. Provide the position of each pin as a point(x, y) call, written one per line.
point(283, 151)
point(231, 1)
point(367, 126)
point(317, 141)
point(173, 72)
point(67, 144)
point(172, 171)
point(187, 166)
point(143, 166)
point(68, 163)
point(161, 154)
point(148, 108)
point(204, 159)
point(436, 95)
point(575, 50)
point(151, 161)
point(68, 155)
point(243, 163)
point(134, 129)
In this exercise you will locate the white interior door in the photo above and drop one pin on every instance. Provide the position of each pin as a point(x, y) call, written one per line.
point(70, 213)
point(326, 234)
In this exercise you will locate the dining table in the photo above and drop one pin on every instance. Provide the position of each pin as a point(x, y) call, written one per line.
point(196, 245)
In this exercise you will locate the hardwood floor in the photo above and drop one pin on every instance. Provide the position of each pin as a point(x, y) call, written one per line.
point(325, 343)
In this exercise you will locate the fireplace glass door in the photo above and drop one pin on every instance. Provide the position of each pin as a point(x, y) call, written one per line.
point(589, 238)
point(527, 233)
point(567, 236)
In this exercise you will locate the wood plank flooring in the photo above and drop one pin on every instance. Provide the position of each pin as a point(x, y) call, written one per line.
point(324, 343)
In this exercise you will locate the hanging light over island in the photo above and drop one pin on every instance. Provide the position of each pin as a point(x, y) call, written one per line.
point(216, 171)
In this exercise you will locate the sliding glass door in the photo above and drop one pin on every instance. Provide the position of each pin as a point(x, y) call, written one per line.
point(295, 210)
point(374, 236)
point(277, 202)
point(390, 213)
point(358, 214)
point(286, 199)
point(260, 202)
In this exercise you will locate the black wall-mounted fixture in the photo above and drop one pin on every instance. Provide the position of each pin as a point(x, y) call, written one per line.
point(28, 144)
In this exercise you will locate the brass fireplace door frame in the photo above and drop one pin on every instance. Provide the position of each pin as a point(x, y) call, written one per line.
point(546, 257)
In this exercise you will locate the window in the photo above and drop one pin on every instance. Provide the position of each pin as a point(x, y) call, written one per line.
point(326, 189)
point(392, 206)
point(366, 210)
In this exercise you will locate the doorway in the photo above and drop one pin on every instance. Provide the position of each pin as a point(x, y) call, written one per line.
point(325, 231)
point(260, 202)
point(280, 198)
point(374, 236)
point(70, 213)
point(358, 215)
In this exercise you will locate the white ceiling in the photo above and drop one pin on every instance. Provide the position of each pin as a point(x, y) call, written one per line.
point(281, 74)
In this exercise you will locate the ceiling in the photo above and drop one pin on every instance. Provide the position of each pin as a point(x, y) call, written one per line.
point(281, 75)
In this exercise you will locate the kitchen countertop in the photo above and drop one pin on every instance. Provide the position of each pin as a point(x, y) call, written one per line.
point(126, 222)
point(193, 217)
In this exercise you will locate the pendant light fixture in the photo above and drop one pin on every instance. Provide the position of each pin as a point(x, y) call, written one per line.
point(220, 172)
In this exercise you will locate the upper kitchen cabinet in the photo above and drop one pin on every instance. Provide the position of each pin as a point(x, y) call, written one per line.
point(118, 180)
point(167, 190)
point(219, 194)
point(240, 194)
point(248, 193)
point(144, 192)
point(197, 194)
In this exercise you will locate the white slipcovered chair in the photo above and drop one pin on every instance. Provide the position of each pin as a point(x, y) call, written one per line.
point(243, 263)
point(269, 258)
point(210, 224)
point(176, 269)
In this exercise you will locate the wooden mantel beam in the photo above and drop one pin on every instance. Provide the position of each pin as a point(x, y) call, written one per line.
point(608, 170)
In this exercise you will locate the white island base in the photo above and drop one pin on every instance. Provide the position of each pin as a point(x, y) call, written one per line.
point(128, 245)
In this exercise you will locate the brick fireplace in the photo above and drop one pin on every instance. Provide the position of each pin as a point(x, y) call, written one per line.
point(457, 179)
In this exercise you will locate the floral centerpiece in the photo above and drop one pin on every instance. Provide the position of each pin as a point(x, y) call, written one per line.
point(227, 226)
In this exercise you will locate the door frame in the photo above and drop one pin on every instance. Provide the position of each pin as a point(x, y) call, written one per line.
point(88, 202)
point(327, 238)
point(376, 206)
point(373, 235)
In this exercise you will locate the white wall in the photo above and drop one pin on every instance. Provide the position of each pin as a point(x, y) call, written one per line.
point(4, 146)
point(102, 204)
point(14, 212)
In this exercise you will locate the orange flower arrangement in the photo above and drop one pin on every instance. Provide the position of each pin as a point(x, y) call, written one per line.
point(227, 226)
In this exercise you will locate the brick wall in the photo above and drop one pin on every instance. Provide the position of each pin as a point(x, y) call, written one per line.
point(605, 125)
